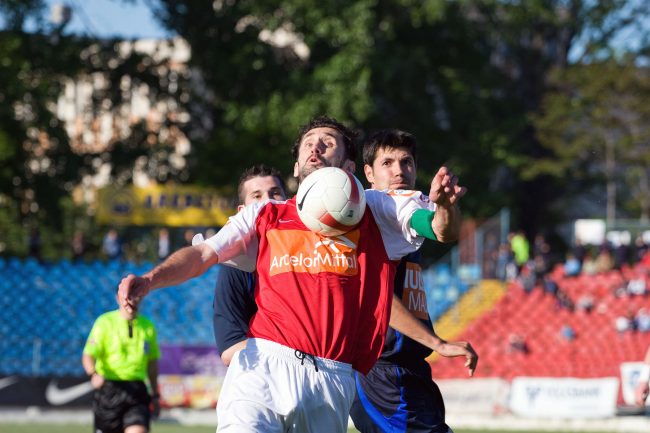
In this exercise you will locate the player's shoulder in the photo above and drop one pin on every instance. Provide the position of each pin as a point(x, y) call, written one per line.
point(374, 197)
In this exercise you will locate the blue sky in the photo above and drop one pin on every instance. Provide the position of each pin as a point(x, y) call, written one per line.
point(110, 18)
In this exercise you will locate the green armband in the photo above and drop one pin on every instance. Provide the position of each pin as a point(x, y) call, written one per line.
point(421, 223)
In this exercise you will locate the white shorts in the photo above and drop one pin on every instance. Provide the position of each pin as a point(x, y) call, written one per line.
point(272, 388)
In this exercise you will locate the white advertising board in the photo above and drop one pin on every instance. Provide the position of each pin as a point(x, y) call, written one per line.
point(536, 397)
point(629, 380)
point(474, 396)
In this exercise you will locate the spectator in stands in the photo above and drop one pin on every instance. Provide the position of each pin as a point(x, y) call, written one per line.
point(567, 333)
point(520, 248)
point(164, 244)
point(585, 303)
point(563, 300)
point(517, 344)
point(549, 285)
point(506, 267)
point(640, 248)
point(579, 251)
point(604, 261)
point(572, 266)
point(589, 265)
point(621, 254)
point(641, 392)
point(540, 268)
point(625, 323)
point(35, 243)
point(642, 320)
point(527, 278)
point(78, 245)
point(637, 286)
point(111, 245)
point(120, 354)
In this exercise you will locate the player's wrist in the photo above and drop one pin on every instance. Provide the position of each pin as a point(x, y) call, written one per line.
point(91, 373)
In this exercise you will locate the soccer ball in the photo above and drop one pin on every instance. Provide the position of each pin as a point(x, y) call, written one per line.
point(330, 201)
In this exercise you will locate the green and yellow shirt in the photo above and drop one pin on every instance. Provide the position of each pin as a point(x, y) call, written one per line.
point(121, 348)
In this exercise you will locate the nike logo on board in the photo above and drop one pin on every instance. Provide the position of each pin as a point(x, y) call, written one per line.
point(57, 396)
point(8, 381)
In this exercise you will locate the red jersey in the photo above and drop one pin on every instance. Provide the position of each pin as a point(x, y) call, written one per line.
point(326, 296)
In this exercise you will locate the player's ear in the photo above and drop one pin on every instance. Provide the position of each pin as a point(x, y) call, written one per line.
point(296, 171)
point(349, 165)
point(367, 170)
point(240, 207)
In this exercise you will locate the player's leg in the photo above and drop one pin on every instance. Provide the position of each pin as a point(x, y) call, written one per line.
point(424, 405)
point(377, 406)
point(395, 399)
point(327, 396)
point(246, 402)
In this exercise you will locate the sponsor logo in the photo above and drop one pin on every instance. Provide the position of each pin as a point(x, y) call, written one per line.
point(533, 392)
point(6, 382)
point(59, 396)
point(413, 296)
point(281, 221)
point(305, 251)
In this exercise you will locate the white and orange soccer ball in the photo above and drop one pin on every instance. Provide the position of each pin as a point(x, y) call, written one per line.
point(331, 201)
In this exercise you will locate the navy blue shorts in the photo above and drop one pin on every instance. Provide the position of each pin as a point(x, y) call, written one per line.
point(395, 399)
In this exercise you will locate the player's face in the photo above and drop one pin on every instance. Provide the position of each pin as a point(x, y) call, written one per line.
point(393, 168)
point(321, 147)
point(262, 188)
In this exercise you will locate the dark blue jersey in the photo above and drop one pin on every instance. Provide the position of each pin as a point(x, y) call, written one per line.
point(409, 288)
point(398, 394)
point(234, 305)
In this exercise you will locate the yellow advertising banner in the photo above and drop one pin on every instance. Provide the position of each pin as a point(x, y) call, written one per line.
point(174, 206)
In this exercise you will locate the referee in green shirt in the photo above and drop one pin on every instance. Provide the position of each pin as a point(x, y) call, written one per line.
point(120, 353)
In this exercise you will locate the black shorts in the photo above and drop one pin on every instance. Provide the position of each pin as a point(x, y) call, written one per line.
point(119, 404)
point(395, 399)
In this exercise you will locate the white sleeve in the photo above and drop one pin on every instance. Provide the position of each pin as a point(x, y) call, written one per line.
point(236, 243)
point(392, 211)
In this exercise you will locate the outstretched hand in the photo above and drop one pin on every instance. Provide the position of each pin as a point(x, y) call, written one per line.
point(445, 191)
point(131, 291)
point(460, 348)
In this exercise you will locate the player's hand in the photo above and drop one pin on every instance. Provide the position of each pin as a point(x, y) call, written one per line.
point(641, 393)
point(97, 380)
point(155, 406)
point(445, 191)
point(131, 291)
point(460, 348)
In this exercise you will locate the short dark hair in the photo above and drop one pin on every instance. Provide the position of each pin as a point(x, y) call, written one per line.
point(259, 170)
point(392, 138)
point(349, 135)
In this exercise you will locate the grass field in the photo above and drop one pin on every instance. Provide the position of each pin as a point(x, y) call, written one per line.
point(166, 428)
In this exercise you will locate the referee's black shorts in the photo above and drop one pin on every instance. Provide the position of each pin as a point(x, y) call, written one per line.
point(119, 404)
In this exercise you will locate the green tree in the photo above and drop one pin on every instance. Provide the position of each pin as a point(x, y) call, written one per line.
point(464, 76)
point(596, 125)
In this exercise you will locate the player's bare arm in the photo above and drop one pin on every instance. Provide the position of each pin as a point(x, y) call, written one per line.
point(402, 320)
point(446, 193)
point(184, 264)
